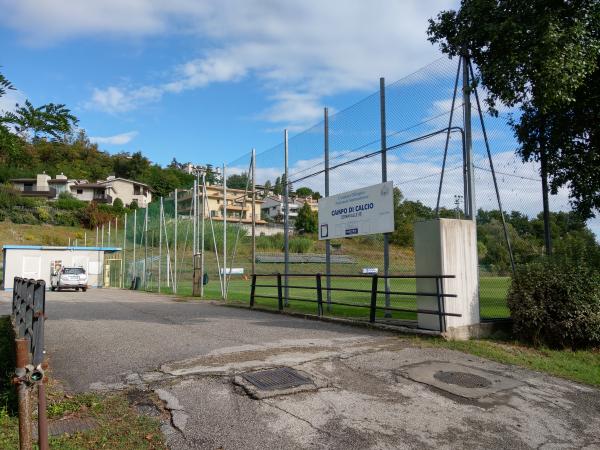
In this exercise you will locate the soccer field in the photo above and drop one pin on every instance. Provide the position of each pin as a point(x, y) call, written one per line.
point(493, 292)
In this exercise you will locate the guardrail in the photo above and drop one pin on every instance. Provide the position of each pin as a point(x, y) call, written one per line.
point(373, 306)
point(28, 314)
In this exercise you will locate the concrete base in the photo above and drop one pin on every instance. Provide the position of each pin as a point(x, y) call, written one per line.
point(448, 247)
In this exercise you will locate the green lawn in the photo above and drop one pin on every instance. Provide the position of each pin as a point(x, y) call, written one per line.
point(493, 292)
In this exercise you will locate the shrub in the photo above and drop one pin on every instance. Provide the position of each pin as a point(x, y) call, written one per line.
point(67, 201)
point(556, 304)
point(300, 245)
point(118, 205)
point(273, 243)
point(43, 214)
point(23, 217)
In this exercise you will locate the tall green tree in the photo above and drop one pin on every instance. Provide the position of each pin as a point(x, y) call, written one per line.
point(307, 220)
point(53, 121)
point(238, 181)
point(542, 56)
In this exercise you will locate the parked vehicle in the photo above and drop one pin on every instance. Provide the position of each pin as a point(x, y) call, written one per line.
point(69, 278)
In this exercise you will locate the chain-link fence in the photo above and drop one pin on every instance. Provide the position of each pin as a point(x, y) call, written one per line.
point(411, 132)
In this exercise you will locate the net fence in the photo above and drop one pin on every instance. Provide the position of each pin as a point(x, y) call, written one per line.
point(162, 243)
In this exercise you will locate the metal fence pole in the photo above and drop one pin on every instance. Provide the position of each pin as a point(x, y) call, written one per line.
point(202, 238)
point(252, 290)
point(386, 236)
point(253, 211)
point(109, 222)
point(23, 392)
point(279, 293)
point(319, 295)
point(194, 222)
point(102, 240)
point(286, 218)
point(145, 278)
point(175, 248)
point(134, 244)
point(328, 241)
point(373, 309)
point(224, 234)
point(160, 236)
point(123, 268)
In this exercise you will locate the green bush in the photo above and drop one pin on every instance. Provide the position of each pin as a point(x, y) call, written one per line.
point(67, 201)
point(556, 304)
point(66, 218)
point(270, 243)
point(22, 217)
point(300, 245)
point(43, 214)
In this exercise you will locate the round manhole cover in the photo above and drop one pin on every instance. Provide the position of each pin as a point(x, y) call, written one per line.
point(462, 379)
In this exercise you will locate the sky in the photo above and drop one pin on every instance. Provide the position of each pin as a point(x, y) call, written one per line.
point(206, 81)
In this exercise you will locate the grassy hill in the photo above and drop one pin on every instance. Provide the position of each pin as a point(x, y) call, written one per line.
point(23, 234)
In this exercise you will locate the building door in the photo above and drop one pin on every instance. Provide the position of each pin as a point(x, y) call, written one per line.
point(112, 274)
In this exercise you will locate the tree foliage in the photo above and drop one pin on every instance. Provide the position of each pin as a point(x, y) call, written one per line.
point(542, 56)
point(238, 181)
point(304, 192)
point(307, 220)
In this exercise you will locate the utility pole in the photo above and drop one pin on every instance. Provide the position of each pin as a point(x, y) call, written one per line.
point(469, 194)
point(327, 241)
point(175, 249)
point(202, 237)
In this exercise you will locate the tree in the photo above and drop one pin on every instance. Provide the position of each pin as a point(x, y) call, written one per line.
point(278, 187)
point(307, 220)
point(543, 57)
point(52, 120)
point(316, 195)
point(304, 192)
point(238, 181)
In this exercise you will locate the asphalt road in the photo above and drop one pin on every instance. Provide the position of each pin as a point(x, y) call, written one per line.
point(367, 389)
point(101, 334)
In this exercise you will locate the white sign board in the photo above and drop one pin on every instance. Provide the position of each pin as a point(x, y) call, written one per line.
point(363, 211)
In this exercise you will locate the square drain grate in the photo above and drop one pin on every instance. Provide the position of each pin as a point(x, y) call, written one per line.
point(273, 379)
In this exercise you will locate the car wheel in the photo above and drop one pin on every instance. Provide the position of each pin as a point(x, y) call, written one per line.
point(52, 288)
point(84, 289)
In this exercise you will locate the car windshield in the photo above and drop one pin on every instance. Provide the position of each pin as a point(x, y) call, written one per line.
point(73, 270)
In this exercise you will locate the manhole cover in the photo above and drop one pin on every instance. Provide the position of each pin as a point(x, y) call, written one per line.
point(462, 379)
point(273, 379)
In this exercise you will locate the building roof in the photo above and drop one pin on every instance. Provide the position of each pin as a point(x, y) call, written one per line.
point(23, 180)
point(59, 247)
point(128, 181)
point(58, 181)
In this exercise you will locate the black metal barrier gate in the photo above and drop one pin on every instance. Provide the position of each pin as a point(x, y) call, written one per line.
point(28, 309)
point(374, 291)
point(28, 315)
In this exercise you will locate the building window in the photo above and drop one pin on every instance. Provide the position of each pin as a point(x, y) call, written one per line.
point(136, 190)
point(79, 191)
point(28, 187)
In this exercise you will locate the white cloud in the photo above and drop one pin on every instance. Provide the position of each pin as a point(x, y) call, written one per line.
point(303, 49)
point(9, 100)
point(117, 139)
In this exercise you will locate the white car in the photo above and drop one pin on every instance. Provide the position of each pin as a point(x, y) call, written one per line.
point(69, 278)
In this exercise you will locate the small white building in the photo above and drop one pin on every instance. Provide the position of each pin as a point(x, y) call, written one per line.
point(37, 261)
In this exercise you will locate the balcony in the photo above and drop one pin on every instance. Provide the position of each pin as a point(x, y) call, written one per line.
point(102, 199)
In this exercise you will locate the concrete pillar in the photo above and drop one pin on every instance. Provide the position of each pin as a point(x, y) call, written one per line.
point(448, 247)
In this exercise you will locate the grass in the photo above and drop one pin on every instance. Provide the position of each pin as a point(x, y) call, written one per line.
point(119, 426)
point(581, 365)
point(493, 292)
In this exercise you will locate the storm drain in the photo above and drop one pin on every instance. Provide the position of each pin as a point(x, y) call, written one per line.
point(462, 379)
point(276, 379)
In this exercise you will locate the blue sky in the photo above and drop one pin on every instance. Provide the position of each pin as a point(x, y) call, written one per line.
point(206, 81)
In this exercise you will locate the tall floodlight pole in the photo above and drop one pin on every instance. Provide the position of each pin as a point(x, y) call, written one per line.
point(253, 211)
point(175, 248)
point(468, 147)
point(386, 236)
point(134, 244)
point(202, 237)
point(286, 218)
point(145, 248)
point(160, 234)
point(102, 241)
point(85, 238)
point(109, 241)
point(328, 241)
point(224, 234)
point(116, 230)
point(96, 235)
